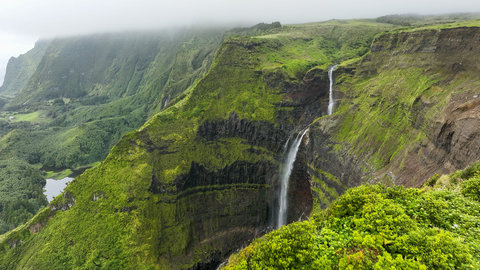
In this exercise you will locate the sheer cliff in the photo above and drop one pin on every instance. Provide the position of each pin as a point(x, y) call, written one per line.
point(200, 178)
point(20, 69)
point(408, 109)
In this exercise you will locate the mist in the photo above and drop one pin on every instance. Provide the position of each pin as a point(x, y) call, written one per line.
point(22, 22)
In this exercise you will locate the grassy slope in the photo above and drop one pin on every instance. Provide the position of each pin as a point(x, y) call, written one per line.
point(149, 232)
point(126, 76)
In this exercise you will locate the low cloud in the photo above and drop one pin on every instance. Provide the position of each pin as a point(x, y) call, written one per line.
point(64, 17)
point(32, 19)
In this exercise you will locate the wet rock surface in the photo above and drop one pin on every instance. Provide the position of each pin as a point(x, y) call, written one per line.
point(240, 172)
point(259, 133)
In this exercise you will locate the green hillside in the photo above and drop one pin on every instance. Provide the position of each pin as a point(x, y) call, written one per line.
point(85, 94)
point(21, 69)
point(200, 178)
point(147, 206)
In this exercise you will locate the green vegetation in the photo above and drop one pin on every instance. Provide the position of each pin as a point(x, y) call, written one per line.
point(385, 127)
point(374, 227)
point(21, 69)
point(33, 117)
point(79, 104)
point(396, 94)
point(127, 225)
point(21, 193)
point(58, 175)
point(297, 48)
point(71, 105)
point(424, 20)
point(158, 202)
point(472, 23)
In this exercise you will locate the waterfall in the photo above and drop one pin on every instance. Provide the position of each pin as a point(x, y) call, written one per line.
point(331, 101)
point(286, 170)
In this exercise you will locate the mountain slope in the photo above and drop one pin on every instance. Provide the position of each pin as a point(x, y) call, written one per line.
point(102, 86)
point(84, 95)
point(20, 69)
point(198, 179)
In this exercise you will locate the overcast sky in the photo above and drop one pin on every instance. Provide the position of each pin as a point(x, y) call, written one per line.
point(22, 22)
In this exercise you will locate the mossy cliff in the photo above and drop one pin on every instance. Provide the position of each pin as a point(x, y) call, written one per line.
point(408, 109)
point(198, 179)
point(20, 69)
point(75, 97)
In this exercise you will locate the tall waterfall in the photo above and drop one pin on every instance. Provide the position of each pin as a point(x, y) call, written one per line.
point(331, 101)
point(286, 170)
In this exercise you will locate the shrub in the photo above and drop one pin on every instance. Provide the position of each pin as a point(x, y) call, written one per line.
point(471, 188)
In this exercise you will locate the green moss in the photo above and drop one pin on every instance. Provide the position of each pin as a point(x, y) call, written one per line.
point(382, 115)
point(127, 225)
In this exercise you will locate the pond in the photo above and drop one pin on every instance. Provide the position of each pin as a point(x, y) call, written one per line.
point(55, 187)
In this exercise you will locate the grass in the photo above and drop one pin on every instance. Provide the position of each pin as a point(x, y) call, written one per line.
point(160, 227)
point(470, 23)
point(33, 117)
point(58, 174)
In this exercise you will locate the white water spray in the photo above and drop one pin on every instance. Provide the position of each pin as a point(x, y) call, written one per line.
point(285, 173)
point(331, 101)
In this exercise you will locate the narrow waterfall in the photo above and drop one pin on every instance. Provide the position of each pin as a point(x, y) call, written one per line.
point(331, 101)
point(286, 170)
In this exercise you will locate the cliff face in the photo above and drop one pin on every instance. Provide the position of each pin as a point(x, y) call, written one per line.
point(200, 178)
point(408, 109)
point(102, 68)
point(20, 69)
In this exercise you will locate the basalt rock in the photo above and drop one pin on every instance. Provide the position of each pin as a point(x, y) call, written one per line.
point(240, 172)
point(259, 133)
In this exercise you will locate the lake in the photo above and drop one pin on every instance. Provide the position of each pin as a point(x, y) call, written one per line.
point(55, 187)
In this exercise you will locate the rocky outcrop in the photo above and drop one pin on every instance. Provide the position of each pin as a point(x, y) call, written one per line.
point(63, 204)
point(264, 134)
point(453, 143)
point(240, 172)
point(341, 162)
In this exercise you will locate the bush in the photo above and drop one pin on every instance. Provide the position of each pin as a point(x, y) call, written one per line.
point(374, 227)
point(471, 188)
